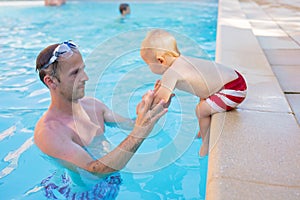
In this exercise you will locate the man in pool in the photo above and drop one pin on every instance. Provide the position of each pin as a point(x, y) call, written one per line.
point(73, 121)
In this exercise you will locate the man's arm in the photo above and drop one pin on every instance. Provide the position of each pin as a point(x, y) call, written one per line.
point(63, 147)
point(56, 139)
point(119, 157)
point(112, 117)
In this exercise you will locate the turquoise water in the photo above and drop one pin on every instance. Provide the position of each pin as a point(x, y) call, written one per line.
point(167, 165)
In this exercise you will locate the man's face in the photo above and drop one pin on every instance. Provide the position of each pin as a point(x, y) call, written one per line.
point(72, 77)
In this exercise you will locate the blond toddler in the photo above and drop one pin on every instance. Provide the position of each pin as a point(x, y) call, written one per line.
point(219, 88)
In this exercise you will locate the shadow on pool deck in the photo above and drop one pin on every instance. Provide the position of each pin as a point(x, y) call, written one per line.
point(254, 150)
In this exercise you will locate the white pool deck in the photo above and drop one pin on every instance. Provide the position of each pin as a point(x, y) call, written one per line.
point(255, 150)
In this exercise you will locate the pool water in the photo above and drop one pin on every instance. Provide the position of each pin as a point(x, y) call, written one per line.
point(167, 165)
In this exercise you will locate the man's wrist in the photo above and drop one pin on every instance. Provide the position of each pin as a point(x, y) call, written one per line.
point(139, 132)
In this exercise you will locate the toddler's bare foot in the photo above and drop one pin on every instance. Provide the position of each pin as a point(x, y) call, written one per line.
point(203, 150)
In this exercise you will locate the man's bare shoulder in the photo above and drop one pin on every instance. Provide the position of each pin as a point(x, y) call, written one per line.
point(46, 124)
point(50, 130)
point(55, 138)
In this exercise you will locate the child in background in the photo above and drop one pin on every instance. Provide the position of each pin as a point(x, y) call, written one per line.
point(124, 9)
point(219, 88)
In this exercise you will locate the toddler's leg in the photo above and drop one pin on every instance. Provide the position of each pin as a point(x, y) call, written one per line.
point(204, 112)
point(205, 145)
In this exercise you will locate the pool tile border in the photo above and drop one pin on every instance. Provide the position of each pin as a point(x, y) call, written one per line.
point(251, 148)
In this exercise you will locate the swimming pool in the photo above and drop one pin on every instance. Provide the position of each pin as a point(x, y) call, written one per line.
point(167, 164)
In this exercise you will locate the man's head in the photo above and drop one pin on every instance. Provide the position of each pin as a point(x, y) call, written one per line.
point(159, 47)
point(61, 69)
point(124, 9)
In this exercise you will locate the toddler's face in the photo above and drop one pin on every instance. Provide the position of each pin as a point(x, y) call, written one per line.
point(153, 63)
point(157, 68)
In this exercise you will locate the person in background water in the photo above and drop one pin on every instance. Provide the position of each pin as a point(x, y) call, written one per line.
point(220, 88)
point(55, 2)
point(124, 9)
point(72, 122)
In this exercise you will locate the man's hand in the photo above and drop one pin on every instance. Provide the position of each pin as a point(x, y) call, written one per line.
point(156, 87)
point(147, 117)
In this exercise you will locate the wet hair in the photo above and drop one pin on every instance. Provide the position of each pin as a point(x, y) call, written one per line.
point(42, 59)
point(123, 7)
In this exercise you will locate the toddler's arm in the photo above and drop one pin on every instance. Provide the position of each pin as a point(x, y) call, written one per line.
point(163, 89)
point(156, 88)
point(161, 93)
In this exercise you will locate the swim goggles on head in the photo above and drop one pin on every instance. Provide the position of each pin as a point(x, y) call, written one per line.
point(62, 51)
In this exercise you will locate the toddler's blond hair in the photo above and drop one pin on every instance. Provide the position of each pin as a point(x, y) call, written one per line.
point(160, 40)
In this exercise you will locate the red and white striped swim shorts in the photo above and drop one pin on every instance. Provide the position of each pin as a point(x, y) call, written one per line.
point(230, 96)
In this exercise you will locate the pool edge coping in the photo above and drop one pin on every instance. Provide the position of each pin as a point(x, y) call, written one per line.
point(221, 183)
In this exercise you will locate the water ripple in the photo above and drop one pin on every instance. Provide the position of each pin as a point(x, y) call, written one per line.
point(13, 157)
point(38, 92)
point(8, 132)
